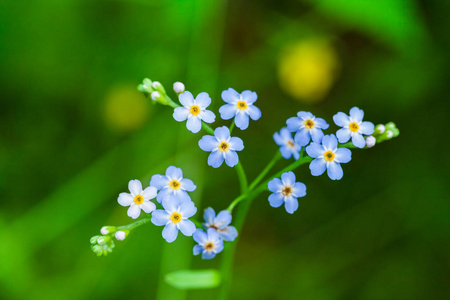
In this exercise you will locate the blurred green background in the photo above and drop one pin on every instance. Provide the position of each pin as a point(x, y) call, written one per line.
point(74, 130)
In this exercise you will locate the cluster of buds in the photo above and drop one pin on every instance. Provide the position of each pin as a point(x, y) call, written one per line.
point(156, 92)
point(382, 133)
point(104, 244)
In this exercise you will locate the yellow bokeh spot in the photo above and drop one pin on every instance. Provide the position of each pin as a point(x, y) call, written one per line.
point(125, 109)
point(307, 69)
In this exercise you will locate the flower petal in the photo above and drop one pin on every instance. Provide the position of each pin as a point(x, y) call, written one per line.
point(159, 181)
point(329, 142)
point(208, 143)
point(318, 166)
point(209, 215)
point(288, 178)
point(222, 133)
point(149, 193)
point(174, 173)
point(163, 193)
point(223, 218)
point(286, 152)
point(170, 232)
point(187, 227)
point(241, 120)
point(208, 255)
point(231, 158)
point(304, 115)
point(335, 171)
point(148, 206)
point(125, 199)
point(341, 119)
point(299, 189)
point(316, 135)
point(293, 124)
point(160, 217)
point(367, 128)
point(215, 159)
point(358, 140)
point(344, 135)
point(321, 123)
point(135, 187)
point(343, 155)
point(188, 185)
point(187, 209)
point(275, 185)
point(197, 249)
point(134, 211)
point(227, 111)
point(254, 112)
point(236, 144)
point(356, 114)
point(249, 96)
point(170, 203)
point(315, 150)
point(229, 233)
point(302, 137)
point(276, 199)
point(194, 124)
point(203, 100)
point(180, 114)
point(291, 205)
point(230, 95)
point(186, 99)
point(208, 116)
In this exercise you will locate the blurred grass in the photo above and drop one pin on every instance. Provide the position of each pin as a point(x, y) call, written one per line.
point(380, 233)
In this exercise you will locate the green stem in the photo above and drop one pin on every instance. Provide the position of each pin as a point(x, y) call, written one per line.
point(232, 126)
point(132, 226)
point(265, 171)
point(242, 178)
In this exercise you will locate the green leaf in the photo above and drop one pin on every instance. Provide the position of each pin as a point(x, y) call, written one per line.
point(193, 279)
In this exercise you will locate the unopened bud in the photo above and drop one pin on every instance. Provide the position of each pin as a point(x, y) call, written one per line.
point(94, 239)
point(103, 240)
point(370, 141)
point(390, 126)
point(155, 96)
point(146, 86)
point(178, 87)
point(389, 134)
point(158, 87)
point(108, 229)
point(121, 234)
point(379, 129)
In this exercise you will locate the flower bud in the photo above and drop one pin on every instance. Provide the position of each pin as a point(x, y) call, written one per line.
point(103, 240)
point(389, 134)
point(121, 234)
point(94, 239)
point(379, 129)
point(370, 141)
point(157, 86)
point(108, 229)
point(146, 86)
point(390, 126)
point(178, 87)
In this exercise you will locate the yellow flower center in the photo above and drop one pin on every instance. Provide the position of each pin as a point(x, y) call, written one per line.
point(175, 217)
point(329, 155)
point(290, 144)
point(309, 123)
point(241, 105)
point(286, 191)
point(175, 184)
point(209, 246)
point(195, 110)
point(353, 127)
point(223, 146)
point(139, 199)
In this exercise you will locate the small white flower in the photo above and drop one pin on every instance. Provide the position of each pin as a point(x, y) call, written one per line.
point(138, 199)
point(194, 111)
point(178, 87)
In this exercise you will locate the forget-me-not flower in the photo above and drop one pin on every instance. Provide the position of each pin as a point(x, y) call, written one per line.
point(172, 183)
point(307, 127)
point(194, 110)
point(328, 157)
point(221, 223)
point(138, 199)
point(286, 190)
point(209, 243)
point(240, 106)
point(174, 217)
point(222, 147)
point(288, 147)
point(353, 127)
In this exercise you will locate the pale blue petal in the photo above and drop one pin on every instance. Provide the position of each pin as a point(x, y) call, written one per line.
point(159, 181)
point(318, 166)
point(222, 133)
point(343, 155)
point(227, 111)
point(180, 114)
point(160, 217)
point(187, 227)
point(236, 144)
point(358, 140)
point(229, 233)
point(341, 119)
point(329, 142)
point(291, 205)
point(149, 192)
point(148, 206)
point(134, 211)
point(203, 100)
point(344, 135)
point(187, 209)
point(208, 116)
point(279, 140)
point(208, 143)
point(188, 185)
point(335, 171)
point(316, 135)
point(367, 128)
point(305, 115)
point(321, 123)
point(241, 120)
point(170, 232)
point(299, 189)
point(174, 173)
point(293, 124)
point(249, 96)
point(276, 199)
point(223, 218)
point(215, 159)
point(208, 255)
point(163, 193)
point(200, 236)
point(219, 246)
point(125, 199)
point(356, 114)
point(186, 99)
point(170, 203)
point(182, 196)
point(296, 154)
point(315, 150)
point(254, 112)
point(302, 137)
point(275, 185)
point(231, 158)
point(286, 152)
point(213, 235)
point(135, 187)
point(209, 215)
point(197, 249)
point(230, 95)
point(194, 124)
point(288, 178)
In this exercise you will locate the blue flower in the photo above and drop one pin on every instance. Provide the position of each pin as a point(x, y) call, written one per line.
point(328, 157)
point(287, 145)
point(286, 190)
point(138, 199)
point(220, 223)
point(172, 183)
point(194, 110)
point(209, 243)
point(174, 217)
point(353, 127)
point(239, 106)
point(306, 126)
point(222, 147)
